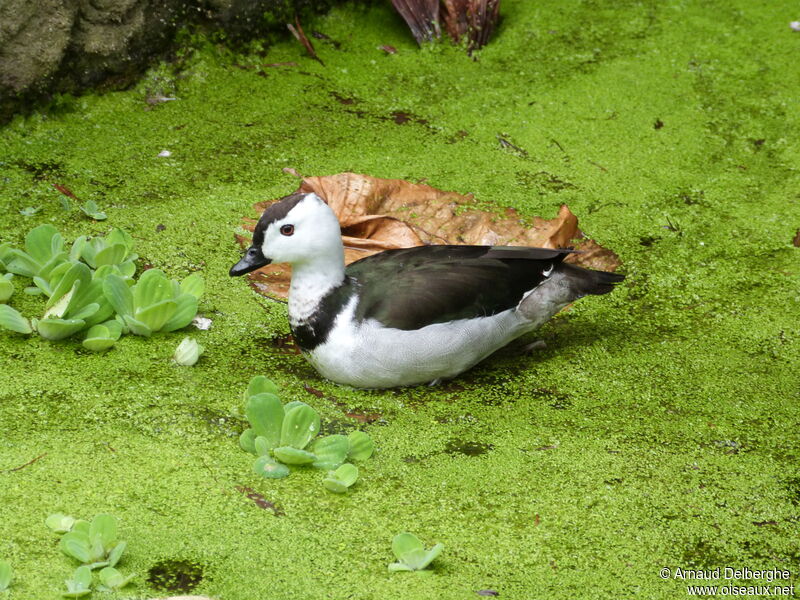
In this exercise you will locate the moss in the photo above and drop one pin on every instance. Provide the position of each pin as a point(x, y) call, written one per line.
point(657, 428)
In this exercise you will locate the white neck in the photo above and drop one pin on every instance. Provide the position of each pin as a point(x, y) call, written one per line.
point(311, 280)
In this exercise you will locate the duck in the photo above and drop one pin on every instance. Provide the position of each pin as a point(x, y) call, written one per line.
point(408, 316)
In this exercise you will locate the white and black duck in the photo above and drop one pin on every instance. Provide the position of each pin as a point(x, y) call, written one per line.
point(408, 316)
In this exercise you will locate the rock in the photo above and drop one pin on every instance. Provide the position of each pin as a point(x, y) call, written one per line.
point(52, 46)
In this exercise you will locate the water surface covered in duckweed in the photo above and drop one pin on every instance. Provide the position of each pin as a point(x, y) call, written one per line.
point(657, 428)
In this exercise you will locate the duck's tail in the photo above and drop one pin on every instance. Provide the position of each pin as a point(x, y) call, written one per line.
point(564, 285)
point(587, 281)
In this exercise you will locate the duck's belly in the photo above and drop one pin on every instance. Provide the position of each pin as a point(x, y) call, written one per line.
point(368, 355)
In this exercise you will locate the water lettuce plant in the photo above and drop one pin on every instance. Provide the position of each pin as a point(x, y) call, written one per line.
point(60, 523)
point(154, 303)
point(411, 554)
point(111, 579)
point(280, 436)
point(341, 479)
point(6, 575)
point(91, 288)
point(94, 544)
point(91, 210)
point(79, 584)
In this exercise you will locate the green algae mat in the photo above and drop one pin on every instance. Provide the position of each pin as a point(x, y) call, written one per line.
point(650, 447)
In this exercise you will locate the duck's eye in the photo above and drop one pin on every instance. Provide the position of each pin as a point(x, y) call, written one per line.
point(287, 229)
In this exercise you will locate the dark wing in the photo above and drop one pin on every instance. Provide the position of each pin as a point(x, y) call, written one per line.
point(414, 287)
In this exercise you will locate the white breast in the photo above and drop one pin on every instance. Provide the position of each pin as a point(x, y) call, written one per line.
point(369, 355)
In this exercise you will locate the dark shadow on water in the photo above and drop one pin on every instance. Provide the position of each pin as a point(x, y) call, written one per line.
point(175, 575)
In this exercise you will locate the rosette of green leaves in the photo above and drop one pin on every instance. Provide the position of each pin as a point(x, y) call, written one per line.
point(280, 435)
point(94, 544)
point(76, 302)
point(154, 303)
point(115, 249)
point(44, 251)
point(411, 553)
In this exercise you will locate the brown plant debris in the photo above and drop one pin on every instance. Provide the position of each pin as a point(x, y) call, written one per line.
point(297, 32)
point(382, 214)
point(473, 19)
point(259, 500)
point(422, 17)
point(796, 240)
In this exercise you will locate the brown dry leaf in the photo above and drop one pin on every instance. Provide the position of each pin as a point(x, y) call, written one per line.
point(382, 214)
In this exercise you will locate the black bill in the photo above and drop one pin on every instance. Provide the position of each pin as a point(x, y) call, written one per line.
point(252, 260)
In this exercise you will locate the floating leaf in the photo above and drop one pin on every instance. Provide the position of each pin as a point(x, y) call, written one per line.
point(347, 474)
point(194, 285)
point(265, 414)
point(185, 310)
point(293, 456)
point(266, 467)
point(411, 553)
point(247, 440)
point(104, 527)
point(11, 319)
point(90, 209)
point(111, 255)
point(262, 446)
point(111, 579)
point(331, 451)
point(260, 384)
point(58, 329)
point(361, 445)
point(118, 294)
point(137, 327)
point(300, 425)
point(76, 545)
point(6, 287)
point(60, 523)
point(293, 404)
point(6, 575)
point(334, 485)
point(116, 553)
point(80, 584)
point(155, 315)
point(153, 287)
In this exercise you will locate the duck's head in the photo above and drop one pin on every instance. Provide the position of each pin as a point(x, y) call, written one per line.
point(296, 229)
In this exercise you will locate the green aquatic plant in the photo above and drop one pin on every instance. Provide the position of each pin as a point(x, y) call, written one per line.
point(111, 579)
point(6, 287)
point(80, 584)
point(411, 554)
point(60, 523)
point(44, 251)
point(86, 286)
point(12, 320)
point(94, 544)
point(6, 575)
point(281, 435)
point(154, 303)
point(341, 479)
point(115, 249)
point(91, 210)
point(188, 352)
